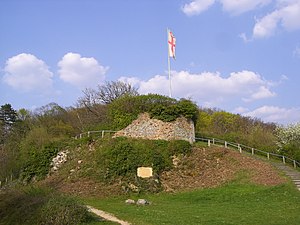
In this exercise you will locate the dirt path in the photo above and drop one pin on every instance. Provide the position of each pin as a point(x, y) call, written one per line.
point(107, 216)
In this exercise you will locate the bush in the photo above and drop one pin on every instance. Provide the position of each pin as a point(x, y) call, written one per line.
point(36, 206)
point(37, 162)
point(179, 147)
point(62, 210)
point(292, 149)
point(120, 157)
point(124, 110)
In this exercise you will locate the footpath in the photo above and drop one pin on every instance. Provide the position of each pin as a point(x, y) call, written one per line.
point(107, 216)
point(290, 172)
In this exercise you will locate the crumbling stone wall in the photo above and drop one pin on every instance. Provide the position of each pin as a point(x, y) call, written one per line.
point(154, 129)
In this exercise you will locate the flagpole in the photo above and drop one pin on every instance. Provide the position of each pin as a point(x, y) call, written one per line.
point(169, 66)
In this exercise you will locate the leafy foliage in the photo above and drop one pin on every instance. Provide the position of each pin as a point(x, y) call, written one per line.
point(37, 163)
point(62, 210)
point(236, 128)
point(124, 110)
point(120, 157)
point(8, 116)
point(35, 206)
point(288, 140)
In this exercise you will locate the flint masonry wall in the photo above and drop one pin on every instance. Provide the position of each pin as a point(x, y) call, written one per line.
point(146, 128)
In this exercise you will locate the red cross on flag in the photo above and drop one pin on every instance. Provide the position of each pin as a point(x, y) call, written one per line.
point(171, 44)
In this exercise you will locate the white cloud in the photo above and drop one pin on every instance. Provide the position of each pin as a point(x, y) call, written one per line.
point(209, 89)
point(235, 7)
point(240, 110)
point(286, 15)
point(276, 114)
point(240, 6)
point(266, 26)
point(25, 72)
point(262, 92)
point(81, 72)
point(196, 7)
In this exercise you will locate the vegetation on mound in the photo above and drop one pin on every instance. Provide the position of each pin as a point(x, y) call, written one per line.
point(32, 205)
point(124, 110)
point(115, 160)
point(109, 166)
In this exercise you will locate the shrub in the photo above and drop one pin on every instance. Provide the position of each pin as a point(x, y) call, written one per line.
point(62, 210)
point(288, 140)
point(124, 110)
point(120, 157)
point(36, 206)
point(179, 147)
point(37, 162)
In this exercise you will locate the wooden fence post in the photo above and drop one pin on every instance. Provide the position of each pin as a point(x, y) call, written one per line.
point(283, 159)
point(208, 143)
point(240, 149)
point(295, 166)
point(89, 133)
point(213, 141)
point(225, 144)
point(80, 136)
point(252, 151)
point(102, 135)
point(268, 155)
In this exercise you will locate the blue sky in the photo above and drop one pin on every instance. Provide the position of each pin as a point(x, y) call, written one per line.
point(239, 56)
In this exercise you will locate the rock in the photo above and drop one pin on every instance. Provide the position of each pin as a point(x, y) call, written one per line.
point(175, 161)
point(130, 201)
point(142, 202)
point(132, 187)
point(60, 159)
point(79, 161)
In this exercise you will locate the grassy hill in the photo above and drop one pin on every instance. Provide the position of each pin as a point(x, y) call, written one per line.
point(200, 167)
point(201, 186)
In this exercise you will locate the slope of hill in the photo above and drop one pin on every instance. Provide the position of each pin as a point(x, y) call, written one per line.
point(202, 168)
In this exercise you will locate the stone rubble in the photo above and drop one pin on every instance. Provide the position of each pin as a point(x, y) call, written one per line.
point(59, 160)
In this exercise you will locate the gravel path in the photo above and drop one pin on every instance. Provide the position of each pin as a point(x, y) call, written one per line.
point(107, 216)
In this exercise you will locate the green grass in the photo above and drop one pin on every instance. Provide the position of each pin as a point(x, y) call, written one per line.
point(233, 203)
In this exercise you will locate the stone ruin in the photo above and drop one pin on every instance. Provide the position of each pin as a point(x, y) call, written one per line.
point(154, 129)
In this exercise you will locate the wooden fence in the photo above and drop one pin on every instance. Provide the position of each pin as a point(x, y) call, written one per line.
point(99, 133)
point(243, 148)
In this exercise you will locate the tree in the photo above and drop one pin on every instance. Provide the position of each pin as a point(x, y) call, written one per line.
point(288, 140)
point(94, 101)
point(106, 93)
point(8, 116)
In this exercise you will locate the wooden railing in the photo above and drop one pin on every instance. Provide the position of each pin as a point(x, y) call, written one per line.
point(252, 151)
point(93, 133)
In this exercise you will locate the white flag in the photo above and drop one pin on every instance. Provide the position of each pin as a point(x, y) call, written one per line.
point(171, 44)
